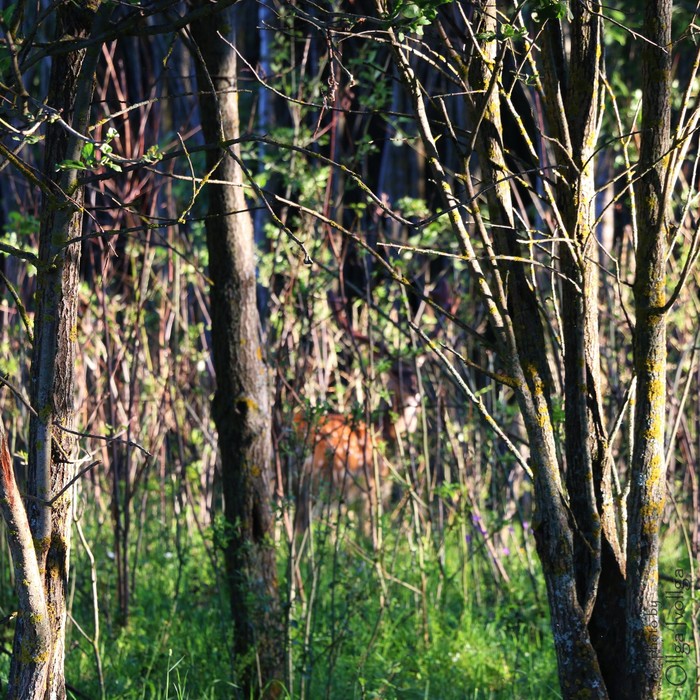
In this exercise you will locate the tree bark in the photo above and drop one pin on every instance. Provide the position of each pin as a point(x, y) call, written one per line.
point(598, 560)
point(241, 404)
point(52, 391)
point(647, 479)
point(576, 528)
point(557, 540)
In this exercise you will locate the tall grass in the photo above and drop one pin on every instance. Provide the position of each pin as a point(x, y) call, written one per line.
point(358, 625)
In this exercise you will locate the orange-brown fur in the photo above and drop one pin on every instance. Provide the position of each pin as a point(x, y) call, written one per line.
point(341, 459)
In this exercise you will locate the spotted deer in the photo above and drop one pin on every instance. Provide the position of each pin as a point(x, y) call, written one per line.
point(341, 460)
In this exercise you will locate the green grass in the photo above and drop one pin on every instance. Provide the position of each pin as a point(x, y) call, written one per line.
point(178, 638)
point(676, 605)
point(490, 642)
point(474, 639)
point(472, 636)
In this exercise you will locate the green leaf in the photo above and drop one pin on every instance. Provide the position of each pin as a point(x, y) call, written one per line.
point(7, 13)
point(550, 9)
point(71, 165)
point(410, 11)
point(88, 152)
point(153, 154)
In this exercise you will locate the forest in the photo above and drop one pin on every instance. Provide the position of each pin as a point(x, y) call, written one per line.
point(349, 349)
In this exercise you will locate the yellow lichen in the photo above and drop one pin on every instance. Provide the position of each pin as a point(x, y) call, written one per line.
point(654, 470)
point(248, 403)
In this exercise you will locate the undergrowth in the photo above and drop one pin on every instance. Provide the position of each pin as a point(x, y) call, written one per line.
point(364, 635)
point(363, 630)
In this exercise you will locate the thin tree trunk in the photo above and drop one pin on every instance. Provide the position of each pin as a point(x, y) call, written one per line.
point(29, 681)
point(53, 386)
point(241, 404)
point(647, 479)
point(598, 560)
point(557, 545)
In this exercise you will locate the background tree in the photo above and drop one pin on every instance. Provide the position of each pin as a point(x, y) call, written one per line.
point(241, 407)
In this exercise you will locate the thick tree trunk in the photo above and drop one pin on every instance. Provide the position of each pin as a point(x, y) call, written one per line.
point(605, 636)
point(576, 527)
point(53, 360)
point(241, 403)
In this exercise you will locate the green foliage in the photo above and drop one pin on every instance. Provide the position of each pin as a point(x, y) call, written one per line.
point(543, 10)
point(96, 155)
point(19, 227)
point(616, 32)
point(488, 640)
point(178, 640)
point(493, 642)
point(5, 61)
point(6, 14)
point(415, 15)
point(506, 31)
point(678, 606)
point(153, 154)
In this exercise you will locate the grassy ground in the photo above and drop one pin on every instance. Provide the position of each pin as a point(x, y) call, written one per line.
point(356, 633)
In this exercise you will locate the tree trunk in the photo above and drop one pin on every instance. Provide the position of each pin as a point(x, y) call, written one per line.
point(41, 674)
point(557, 540)
point(647, 479)
point(599, 564)
point(241, 404)
point(576, 529)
